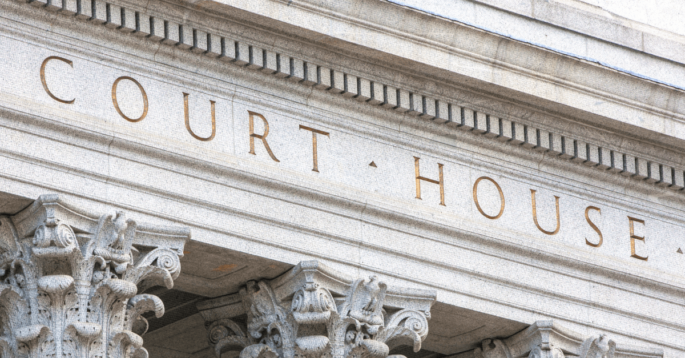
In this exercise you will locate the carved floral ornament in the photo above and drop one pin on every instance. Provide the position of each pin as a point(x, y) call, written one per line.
point(314, 312)
point(69, 281)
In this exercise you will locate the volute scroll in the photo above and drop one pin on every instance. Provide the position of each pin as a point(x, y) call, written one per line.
point(312, 311)
point(69, 281)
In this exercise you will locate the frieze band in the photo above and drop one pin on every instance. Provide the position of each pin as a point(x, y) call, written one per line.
point(251, 115)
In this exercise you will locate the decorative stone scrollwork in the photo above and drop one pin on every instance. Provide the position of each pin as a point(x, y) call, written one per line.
point(314, 312)
point(545, 339)
point(69, 281)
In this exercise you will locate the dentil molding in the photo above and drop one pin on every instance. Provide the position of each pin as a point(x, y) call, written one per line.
point(70, 280)
point(425, 106)
point(314, 311)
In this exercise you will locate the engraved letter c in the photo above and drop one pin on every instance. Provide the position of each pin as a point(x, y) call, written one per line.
point(45, 84)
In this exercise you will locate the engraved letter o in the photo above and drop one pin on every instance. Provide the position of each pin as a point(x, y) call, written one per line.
point(475, 198)
point(116, 103)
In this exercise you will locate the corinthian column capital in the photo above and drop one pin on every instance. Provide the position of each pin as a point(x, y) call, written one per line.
point(69, 280)
point(546, 339)
point(314, 311)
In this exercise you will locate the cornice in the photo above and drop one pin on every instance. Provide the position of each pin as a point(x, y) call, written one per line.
point(568, 20)
point(423, 106)
point(467, 56)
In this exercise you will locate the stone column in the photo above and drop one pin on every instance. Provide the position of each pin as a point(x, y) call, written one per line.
point(69, 281)
point(314, 311)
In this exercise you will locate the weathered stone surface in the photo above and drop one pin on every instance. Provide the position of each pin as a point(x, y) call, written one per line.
point(69, 281)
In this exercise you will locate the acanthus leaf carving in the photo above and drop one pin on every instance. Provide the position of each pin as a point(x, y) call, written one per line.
point(69, 281)
point(226, 335)
point(304, 314)
point(403, 326)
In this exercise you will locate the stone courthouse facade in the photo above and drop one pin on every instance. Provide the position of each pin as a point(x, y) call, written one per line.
point(339, 178)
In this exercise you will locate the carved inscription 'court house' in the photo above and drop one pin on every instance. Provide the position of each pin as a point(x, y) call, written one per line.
point(441, 181)
point(353, 173)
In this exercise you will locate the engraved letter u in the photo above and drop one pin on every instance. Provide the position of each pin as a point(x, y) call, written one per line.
point(187, 116)
point(535, 215)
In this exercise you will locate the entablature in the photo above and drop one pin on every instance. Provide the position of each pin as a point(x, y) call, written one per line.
point(190, 169)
